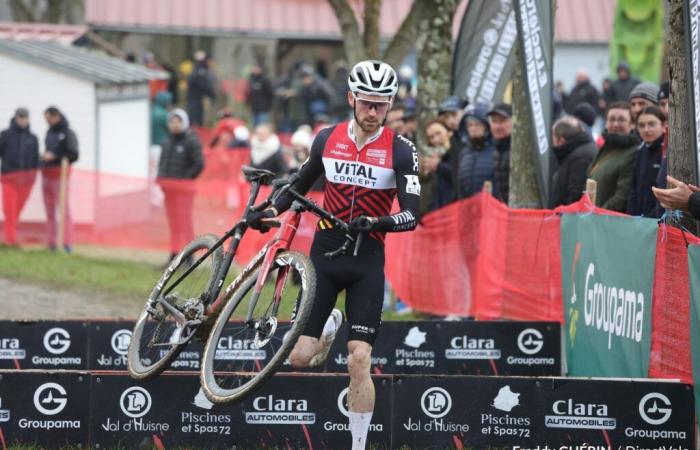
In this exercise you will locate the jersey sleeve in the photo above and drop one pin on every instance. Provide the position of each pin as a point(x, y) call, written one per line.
point(408, 188)
point(309, 171)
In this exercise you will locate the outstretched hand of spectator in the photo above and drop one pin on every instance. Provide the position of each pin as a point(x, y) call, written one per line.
point(676, 196)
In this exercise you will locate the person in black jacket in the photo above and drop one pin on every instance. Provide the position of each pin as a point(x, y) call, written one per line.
point(19, 153)
point(201, 83)
point(476, 162)
point(650, 125)
point(260, 95)
point(583, 92)
point(181, 161)
point(61, 143)
point(574, 150)
point(501, 123)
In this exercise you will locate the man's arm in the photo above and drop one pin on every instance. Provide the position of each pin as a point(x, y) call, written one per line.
point(308, 173)
point(408, 188)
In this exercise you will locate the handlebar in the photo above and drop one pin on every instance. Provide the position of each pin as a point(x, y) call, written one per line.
point(282, 186)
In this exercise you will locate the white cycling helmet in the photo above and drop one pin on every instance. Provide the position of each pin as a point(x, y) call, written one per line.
point(373, 77)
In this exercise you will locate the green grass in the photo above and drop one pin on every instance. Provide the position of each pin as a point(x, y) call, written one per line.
point(128, 279)
point(58, 270)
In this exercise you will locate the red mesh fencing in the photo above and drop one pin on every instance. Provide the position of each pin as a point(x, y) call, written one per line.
point(474, 258)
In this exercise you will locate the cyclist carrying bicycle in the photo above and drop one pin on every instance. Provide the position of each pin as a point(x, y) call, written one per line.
point(366, 167)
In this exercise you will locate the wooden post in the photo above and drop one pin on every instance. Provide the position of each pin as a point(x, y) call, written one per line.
point(62, 191)
point(591, 188)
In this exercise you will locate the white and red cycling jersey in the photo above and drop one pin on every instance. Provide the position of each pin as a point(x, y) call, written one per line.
point(364, 181)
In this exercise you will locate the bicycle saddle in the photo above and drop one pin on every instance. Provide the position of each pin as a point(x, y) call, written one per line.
point(260, 175)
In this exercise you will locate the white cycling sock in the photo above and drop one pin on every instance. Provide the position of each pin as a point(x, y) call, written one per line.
point(329, 328)
point(359, 425)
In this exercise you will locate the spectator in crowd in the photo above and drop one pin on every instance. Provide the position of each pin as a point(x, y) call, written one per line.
point(679, 196)
point(451, 111)
point(339, 107)
point(650, 126)
point(259, 95)
point(173, 81)
point(181, 161)
point(606, 97)
point(435, 175)
point(582, 92)
point(664, 96)
point(644, 94)
point(476, 162)
point(501, 123)
point(301, 148)
point(394, 119)
point(410, 125)
point(316, 93)
point(406, 93)
point(61, 142)
point(574, 150)
point(292, 107)
point(266, 151)
point(201, 84)
point(19, 156)
point(613, 164)
point(622, 87)
point(159, 117)
point(586, 114)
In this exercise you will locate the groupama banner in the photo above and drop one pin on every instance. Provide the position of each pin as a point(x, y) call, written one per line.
point(607, 276)
point(694, 271)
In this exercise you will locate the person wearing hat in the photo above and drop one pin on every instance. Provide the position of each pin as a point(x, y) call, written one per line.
point(501, 124)
point(181, 161)
point(644, 94)
point(19, 157)
point(476, 159)
point(621, 88)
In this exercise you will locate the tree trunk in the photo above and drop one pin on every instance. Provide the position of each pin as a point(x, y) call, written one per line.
point(22, 12)
point(371, 35)
point(405, 38)
point(524, 190)
point(434, 19)
point(352, 41)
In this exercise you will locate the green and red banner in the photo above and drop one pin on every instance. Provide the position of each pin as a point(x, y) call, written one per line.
point(607, 267)
point(694, 270)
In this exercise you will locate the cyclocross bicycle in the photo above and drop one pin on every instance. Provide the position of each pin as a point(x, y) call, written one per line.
point(245, 344)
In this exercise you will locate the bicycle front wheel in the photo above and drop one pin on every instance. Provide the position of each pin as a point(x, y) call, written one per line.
point(240, 355)
point(174, 309)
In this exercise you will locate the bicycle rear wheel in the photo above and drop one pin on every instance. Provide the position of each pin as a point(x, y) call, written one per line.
point(173, 311)
point(240, 356)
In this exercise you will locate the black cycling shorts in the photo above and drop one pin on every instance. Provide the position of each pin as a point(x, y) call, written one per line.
point(361, 276)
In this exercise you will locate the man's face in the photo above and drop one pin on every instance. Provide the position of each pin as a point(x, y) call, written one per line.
point(52, 119)
point(637, 104)
point(175, 125)
point(501, 127)
point(452, 119)
point(618, 121)
point(370, 110)
point(650, 128)
point(22, 121)
point(394, 120)
point(476, 129)
point(623, 74)
point(663, 104)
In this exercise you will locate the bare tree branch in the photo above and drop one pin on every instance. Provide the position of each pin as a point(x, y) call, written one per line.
point(352, 41)
point(405, 37)
point(54, 11)
point(371, 35)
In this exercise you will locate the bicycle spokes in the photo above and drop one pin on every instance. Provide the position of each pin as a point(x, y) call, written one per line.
point(246, 346)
